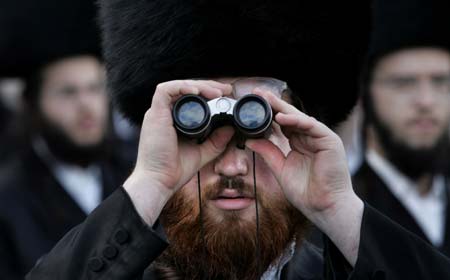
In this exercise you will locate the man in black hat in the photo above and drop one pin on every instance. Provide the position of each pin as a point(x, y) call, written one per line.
point(64, 170)
point(64, 167)
point(407, 108)
point(233, 212)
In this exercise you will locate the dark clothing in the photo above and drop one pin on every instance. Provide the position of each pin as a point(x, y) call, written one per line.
point(11, 136)
point(370, 187)
point(114, 243)
point(5, 117)
point(36, 212)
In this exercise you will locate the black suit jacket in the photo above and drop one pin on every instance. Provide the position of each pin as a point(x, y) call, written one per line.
point(369, 186)
point(114, 243)
point(36, 212)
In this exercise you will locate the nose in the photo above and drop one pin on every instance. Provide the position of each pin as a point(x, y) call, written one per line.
point(232, 162)
point(427, 95)
point(84, 98)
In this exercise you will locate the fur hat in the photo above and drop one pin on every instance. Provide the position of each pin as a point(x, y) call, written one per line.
point(34, 33)
point(400, 24)
point(315, 47)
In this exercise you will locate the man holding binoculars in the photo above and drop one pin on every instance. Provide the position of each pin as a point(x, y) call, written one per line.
point(235, 202)
point(291, 174)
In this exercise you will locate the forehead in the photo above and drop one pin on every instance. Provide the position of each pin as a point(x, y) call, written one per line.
point(73, 69)
point(415, 61)
point(245, 85)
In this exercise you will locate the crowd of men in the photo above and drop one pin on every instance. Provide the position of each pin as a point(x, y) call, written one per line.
point(77, 201)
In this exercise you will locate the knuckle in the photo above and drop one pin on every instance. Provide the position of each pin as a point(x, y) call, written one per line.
point(336, 137)
point(336, 140)
point(184, 83)
point(147, 114)
point(161, 86)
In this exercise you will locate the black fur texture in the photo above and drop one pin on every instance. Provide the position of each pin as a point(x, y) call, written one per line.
point(315, 46)
point(34, 33)
point(401, 24)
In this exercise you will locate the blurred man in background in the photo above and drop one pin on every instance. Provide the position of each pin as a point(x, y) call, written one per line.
point(67, 168)
point(407, 107)
point(68, 164)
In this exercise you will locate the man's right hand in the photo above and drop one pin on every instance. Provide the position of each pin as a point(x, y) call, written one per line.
point(164, 162)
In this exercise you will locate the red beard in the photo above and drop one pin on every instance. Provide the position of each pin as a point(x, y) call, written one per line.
point(231, 243)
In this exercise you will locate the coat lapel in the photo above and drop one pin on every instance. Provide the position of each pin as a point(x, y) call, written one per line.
point(445, 248)
point(55, 210)
point(370, 187)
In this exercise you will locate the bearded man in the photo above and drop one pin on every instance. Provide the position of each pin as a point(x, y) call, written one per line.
point(65, 166)
point(233, 206)
point(407, 108)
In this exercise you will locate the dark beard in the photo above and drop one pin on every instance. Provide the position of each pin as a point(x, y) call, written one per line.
point(65, 149)
point(231, 244)
point(412, 162)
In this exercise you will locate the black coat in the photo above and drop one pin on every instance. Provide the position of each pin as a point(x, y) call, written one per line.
point(36, 212)
point(370, 187)
point(114, 243)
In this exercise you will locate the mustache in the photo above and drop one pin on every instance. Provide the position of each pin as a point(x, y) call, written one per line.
point(238, 185)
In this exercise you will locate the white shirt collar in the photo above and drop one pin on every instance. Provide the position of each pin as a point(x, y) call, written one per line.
point(82, 184)
point(428, 210)
point(399, 183)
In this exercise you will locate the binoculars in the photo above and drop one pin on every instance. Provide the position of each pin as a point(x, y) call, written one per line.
point(195, 117)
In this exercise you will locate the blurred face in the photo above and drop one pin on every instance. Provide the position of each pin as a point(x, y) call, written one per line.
point(410, 93)
point(229, 212)
point(73, 99)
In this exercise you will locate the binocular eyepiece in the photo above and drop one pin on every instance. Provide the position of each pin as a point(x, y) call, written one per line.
point(194, 117)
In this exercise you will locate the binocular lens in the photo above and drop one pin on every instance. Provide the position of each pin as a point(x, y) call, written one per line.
point(252, 114)
point(191, 114)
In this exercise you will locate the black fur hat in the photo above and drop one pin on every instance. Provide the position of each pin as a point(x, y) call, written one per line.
point(402, 24)
point(316, 47)
point(34, 33)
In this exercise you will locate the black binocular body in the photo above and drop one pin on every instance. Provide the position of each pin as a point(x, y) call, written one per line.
point(195, 117)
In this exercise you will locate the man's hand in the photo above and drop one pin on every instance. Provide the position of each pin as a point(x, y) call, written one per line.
point(164, 163)
point(314, 174)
